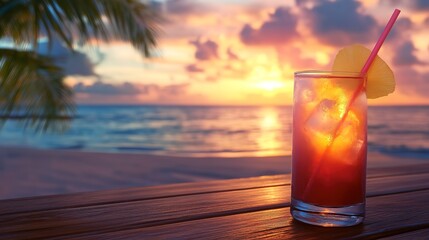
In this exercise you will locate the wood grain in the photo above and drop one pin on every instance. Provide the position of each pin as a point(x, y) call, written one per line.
point(418, 234)
point(137, 194)
point(386, 216)
point(120, 216)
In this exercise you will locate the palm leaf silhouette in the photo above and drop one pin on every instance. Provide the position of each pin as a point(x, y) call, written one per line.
point(31, 85)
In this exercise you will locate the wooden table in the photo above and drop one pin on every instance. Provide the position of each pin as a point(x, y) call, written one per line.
point(252, 208)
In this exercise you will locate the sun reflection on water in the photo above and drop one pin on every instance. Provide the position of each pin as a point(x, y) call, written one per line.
point(270, 139)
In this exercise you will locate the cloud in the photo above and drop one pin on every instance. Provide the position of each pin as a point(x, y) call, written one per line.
point(194, 68)
point(231, 54)
point(405, 55)
point(403, 23)
point(340, 23)
point(77, 63)
point(426, 22)
point(214, 62)
point(412, 82)
point(401, 31)
point(421, 5)
point(409, 5)
point(305, 3)
point(101, 88)
point(183, 7)
point(134, 93)
point(73, 63)
point(301, 2)
point(207, 50)
point(293, 56)
point(278, 30)
point(173, 90)
point(186, 18)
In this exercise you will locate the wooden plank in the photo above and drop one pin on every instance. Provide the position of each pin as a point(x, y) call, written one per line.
point(397, 170)
point(173, 190)
point(153, 212)
point(418, 234)
point(386, 216)
point(137, 194)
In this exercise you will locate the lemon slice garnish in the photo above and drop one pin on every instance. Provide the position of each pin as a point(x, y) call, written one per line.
point(380, 79)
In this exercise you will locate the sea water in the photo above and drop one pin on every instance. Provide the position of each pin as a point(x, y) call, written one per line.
point(217, 131)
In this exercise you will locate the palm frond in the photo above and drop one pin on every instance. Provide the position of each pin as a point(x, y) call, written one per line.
point(32, 90)
point(16, 22)
point(31, 85)
point(81, 21)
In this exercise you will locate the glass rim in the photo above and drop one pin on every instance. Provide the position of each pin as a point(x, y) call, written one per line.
point(328, 74)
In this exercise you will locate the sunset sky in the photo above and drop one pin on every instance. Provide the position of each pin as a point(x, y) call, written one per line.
point(236, 52)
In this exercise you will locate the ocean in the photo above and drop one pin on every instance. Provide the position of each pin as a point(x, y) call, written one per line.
point(215, 131)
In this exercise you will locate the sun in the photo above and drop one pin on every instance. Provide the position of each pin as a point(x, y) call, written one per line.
point(270, 85)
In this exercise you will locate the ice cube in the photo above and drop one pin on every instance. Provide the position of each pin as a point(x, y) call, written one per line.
point(347, 150)
point(324, 118)
point(349, 141)
point(304, 92)
point(308, 95)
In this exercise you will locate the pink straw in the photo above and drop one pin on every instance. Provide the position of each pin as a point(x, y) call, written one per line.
point(380, 41)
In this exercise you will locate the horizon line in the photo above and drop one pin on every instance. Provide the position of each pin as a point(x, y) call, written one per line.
point(226, 105)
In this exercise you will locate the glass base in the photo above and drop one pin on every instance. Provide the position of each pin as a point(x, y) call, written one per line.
point(327, 216)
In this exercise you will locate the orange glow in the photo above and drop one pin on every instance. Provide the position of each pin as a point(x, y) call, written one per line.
point(270, 85)
point(241, 73)
point(322, 138)
point(269, 140)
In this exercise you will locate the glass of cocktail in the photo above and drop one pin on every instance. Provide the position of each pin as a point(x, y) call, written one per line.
point(329, 134)
point(329, 148)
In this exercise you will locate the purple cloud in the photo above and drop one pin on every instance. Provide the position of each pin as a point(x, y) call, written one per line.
point(101, 88)
point(183, 7)
point(411, 5)
point(194, 68)
point(401, 30)
point(231, 55)
point(300, 2)
point(73, 63)
point(207, 50)
point(403, 23)
point(421, 5)
point(340, 23)
point(131, 93)
point(278, 30)
point(174, 89)
point(426, 22)
point(410, 81)
point(217, 67)
point(129, 89)
point(405, 55)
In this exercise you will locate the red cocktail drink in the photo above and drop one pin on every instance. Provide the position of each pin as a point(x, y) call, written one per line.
point(329, 147)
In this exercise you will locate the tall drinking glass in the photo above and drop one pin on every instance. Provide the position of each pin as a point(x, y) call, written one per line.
point(329, 148)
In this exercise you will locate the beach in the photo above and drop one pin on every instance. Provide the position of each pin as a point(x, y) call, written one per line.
point(28, 172)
